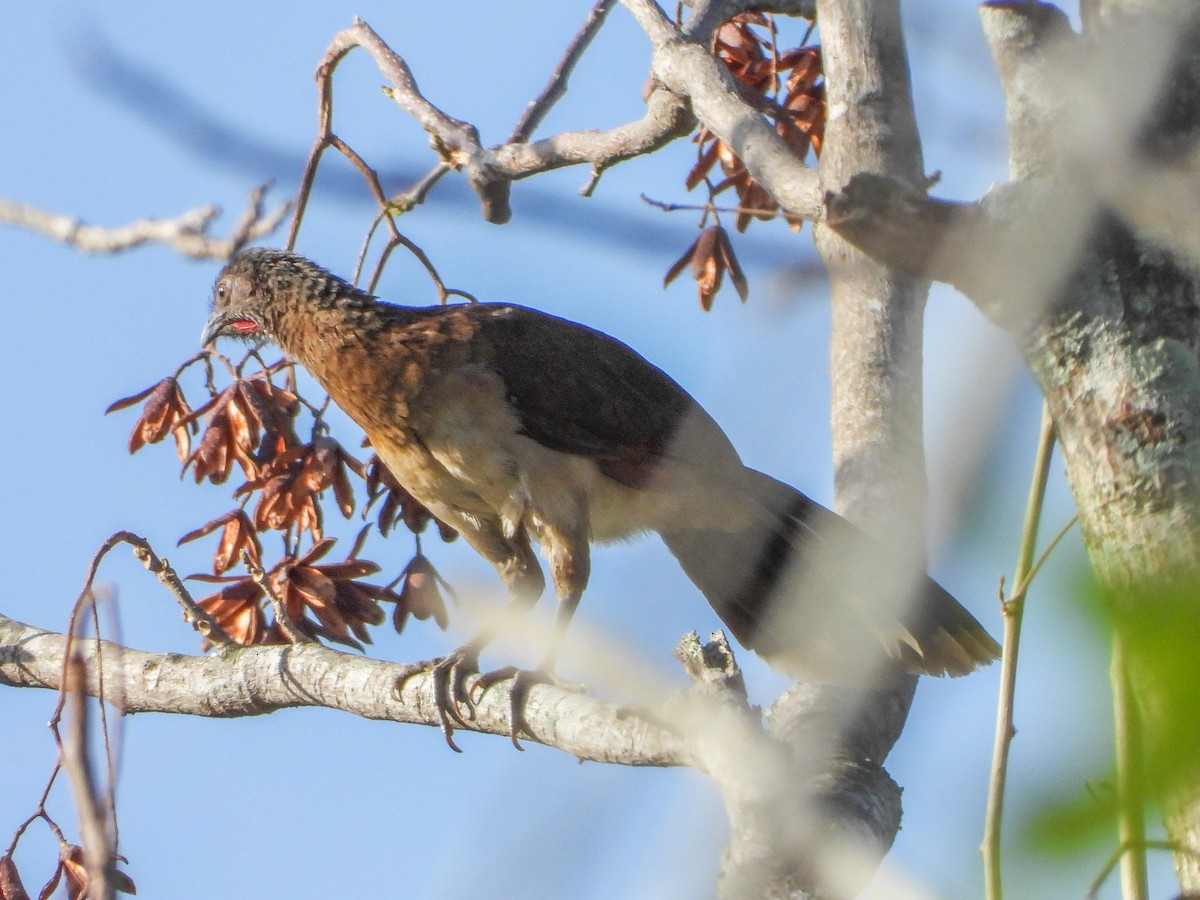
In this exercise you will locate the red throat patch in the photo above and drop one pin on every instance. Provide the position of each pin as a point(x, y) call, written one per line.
point(243, 326)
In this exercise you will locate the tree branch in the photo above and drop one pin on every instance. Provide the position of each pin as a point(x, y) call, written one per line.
point(491, 171)
point(556, 87)
point(253, 681)
point(1027, 42)
point(902, 227)
point(1009, 253)
point(690, 83)
point(791, 818)
point(875, 365)
point(683, 65)
point(187, 234)
point(1088, 260)
point(1073, 113)
point(666, 119)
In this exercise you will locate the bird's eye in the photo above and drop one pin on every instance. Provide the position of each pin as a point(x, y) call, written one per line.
point(222, 289)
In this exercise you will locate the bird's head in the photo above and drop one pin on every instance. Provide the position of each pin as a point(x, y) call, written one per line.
point(258, 289)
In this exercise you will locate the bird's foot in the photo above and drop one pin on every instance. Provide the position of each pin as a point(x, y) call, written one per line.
point(521, 681)
point(450, 691)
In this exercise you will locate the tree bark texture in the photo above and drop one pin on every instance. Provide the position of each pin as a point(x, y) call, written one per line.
point(877, 439)
point(1099, 289)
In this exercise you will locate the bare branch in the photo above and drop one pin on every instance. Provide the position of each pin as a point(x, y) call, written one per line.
point(415, 195)
point(556, 87)
point(1009, 253)
point(770, 783)
point(823, 835)
point(455, 141)
point(193, 614)
point(650, 16)
point(1026, 40)
point(694, 79)
point(685, 67)
point(253, 681)
point(666, 119)
point(902, 227)
point(708, 15)
point(490, 172)
point(187, 234)
point(800, 9)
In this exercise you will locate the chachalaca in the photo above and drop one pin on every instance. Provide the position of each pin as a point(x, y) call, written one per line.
point(512, 425)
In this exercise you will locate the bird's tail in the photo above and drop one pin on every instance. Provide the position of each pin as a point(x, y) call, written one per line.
point(818, 598)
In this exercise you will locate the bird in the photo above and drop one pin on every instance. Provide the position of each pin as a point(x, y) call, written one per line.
point(517, 427)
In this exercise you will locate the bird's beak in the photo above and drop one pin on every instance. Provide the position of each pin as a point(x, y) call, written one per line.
point(212, 329)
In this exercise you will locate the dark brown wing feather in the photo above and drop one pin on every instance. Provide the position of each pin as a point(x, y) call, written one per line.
point(583, 392)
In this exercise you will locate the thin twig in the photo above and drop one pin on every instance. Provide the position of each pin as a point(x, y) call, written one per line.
point(161, 569)
point(666, 206)
point(282, 619)
point(1093, 890)
point(415, 195)
point(1045, 555)
point(1013, 609)
point(191, 361)
point(253, 223)
point(366, 245)
point(556, 87)
point(306, 181)
point(361, 35)
point(444, 293)
point(1131, 792)
point(110, 797)
point(95, 827)
point(39, 813)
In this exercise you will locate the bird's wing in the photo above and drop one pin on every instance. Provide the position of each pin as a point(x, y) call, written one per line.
point(582, 392)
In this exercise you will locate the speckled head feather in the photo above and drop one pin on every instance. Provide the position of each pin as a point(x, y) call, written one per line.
point(255, 292)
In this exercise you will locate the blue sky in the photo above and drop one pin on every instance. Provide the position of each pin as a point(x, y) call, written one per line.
point(115, 113)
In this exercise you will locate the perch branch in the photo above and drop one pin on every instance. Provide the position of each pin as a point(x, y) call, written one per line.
point(709, 726)
point(257, 680)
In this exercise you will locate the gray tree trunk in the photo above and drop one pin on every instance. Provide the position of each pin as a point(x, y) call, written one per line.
point(1088, 257)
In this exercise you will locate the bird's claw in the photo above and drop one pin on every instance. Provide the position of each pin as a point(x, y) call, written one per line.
point(522, 680)
point(452, 695)
point(450, 691)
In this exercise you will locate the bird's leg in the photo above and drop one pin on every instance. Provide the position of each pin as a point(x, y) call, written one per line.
point(523, 577)
point(567, 604)
point(570, 566)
